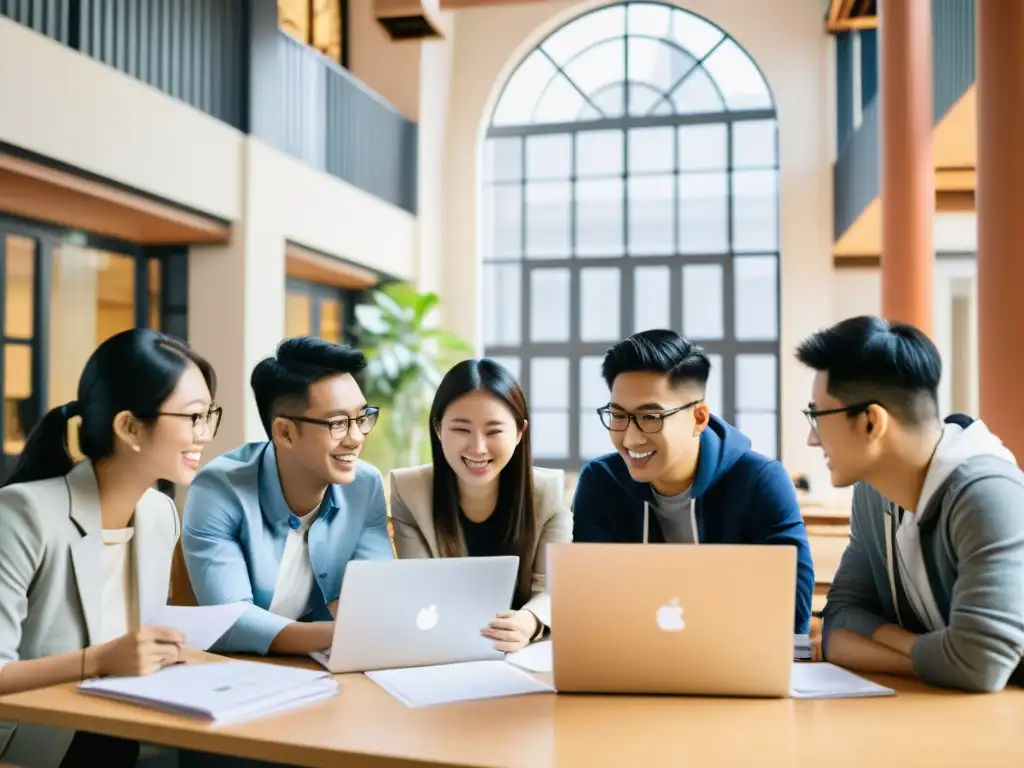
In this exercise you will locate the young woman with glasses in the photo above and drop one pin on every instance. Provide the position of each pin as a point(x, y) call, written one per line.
point(85, 549)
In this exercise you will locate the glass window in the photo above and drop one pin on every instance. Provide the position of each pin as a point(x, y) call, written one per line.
point(18, 416)
point(331, 328)
point(549, 383)
point(298, 314)
point(19, 277)
point(669, 219)
point(315, 23)
point(155, 293)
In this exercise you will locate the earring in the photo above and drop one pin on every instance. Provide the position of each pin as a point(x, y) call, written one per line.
point(135, 447)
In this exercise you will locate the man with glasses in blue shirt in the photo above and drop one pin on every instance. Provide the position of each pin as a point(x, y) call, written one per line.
point(274, 523)
point(697, 473)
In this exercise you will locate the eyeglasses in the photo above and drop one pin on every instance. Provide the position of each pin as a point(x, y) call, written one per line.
point(618, 421)
point(340, 425)
point(203, 424)
point(814, 414)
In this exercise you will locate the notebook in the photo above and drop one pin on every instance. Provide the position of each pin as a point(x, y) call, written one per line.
point(822, 680)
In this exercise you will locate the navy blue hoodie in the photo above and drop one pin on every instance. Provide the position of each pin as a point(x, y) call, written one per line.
point(741, 497)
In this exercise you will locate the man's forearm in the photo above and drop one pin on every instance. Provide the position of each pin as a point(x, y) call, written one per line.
point(896, 638)
point(303, 637)
point(850, 650)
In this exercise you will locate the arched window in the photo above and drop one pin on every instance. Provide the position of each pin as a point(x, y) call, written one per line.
point(630, 181)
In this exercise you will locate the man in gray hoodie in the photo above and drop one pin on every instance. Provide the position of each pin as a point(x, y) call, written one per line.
point(931, 584)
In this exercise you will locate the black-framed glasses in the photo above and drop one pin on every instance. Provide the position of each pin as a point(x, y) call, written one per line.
point(204, 423)
point(813, 414)
point(340, 425)
point(618, 421)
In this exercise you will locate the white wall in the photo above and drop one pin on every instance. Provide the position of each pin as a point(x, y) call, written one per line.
point(787, 39)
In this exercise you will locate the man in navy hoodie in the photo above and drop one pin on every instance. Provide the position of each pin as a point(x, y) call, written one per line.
point(703, 482)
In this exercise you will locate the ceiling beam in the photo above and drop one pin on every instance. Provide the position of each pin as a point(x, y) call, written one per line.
point(459, 5)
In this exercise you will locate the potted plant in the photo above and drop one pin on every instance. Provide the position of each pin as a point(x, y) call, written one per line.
point(407, 356)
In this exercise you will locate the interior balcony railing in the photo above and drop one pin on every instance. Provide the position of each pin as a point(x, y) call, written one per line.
point(229, 59)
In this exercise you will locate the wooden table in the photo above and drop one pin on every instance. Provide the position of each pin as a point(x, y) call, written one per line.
point(364, 726)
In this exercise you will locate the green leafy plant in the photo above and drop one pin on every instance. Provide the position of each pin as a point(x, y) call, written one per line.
point(407, 356)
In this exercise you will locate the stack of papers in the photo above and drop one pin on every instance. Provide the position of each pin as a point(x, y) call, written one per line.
point(449, 683)
point(535, 657)
point(827, 681)
point(220, 692)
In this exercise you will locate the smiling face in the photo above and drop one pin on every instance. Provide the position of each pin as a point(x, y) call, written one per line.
point(478, 435)
point(170, 447)
point(843, 439)
point(665, 456)
point(323, 457)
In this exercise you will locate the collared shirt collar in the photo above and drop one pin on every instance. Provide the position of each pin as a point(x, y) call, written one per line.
point(272, 503)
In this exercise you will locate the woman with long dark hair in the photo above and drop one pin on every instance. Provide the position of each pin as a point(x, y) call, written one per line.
point(481, 496)
point(85, 549)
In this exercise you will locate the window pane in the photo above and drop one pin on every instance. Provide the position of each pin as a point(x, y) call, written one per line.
point(713, 391)
point(761, 428)
point(694, 34)
point(92, 298)
point(513, 364)
point(548, 219)
point(599, 153)
point(599, 304)
point(503, 159)
point(583, 31)
point(650, 20)
point(502, 303)
point(549, 157)
point(755, 383)
point(651, 215)
point(502, 221)
point(549, 435)
point(593, 390)
point(19, 253)
point(599, 214)
point(756, 297)
point(559, 102)
point(18, 421)
point(697, 94)
point(703, 213)
point(651, 300)
point(330, 320)
point(656, 64)
point(755, 210)
point(702, 302)
point(298, 318)
point(549, 305)
point(598, 67)
point(651, 150)
point(702, 147)
point(549, 383)
point(754, 144)
point(155, 293)
point(518, 99)
point(594, 438)
point(738, 78)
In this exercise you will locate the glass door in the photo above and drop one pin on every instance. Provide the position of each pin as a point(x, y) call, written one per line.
point(312, 309)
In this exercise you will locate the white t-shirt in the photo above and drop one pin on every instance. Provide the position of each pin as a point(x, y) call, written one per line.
point(295, 575)
point(120, 597)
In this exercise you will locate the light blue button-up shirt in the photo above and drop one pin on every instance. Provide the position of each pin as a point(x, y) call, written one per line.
point(235, 525)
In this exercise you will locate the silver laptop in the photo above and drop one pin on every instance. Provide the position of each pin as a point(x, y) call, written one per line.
point(417, 612)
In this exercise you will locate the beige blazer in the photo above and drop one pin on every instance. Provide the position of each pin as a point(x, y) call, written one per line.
point(412, 517)
point(51, 580)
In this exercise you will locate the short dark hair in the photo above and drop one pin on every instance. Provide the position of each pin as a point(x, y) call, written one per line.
point(282, 382)
point(871, 359)
point(659, 351)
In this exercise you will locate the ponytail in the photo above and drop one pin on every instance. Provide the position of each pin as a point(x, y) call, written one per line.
point(46, 451)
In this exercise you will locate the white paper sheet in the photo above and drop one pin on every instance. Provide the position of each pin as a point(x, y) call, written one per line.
point(226, 691)
point(535, 657)
point(202, 625)
point(449, 683)
point(826, 681)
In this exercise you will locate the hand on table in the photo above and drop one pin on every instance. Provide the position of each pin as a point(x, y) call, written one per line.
point(140, 653)
point(511, 630)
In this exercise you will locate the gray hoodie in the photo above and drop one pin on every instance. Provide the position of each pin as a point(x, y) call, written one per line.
point(951, 571)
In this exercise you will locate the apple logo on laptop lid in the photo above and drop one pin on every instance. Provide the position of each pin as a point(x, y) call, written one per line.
point(670, 616)
point(426, 619)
